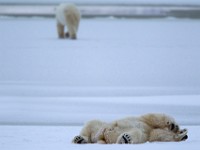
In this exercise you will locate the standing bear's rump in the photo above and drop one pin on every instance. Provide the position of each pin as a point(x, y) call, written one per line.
point(67, 15)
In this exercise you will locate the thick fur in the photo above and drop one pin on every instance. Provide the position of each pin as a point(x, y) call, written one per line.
point(67, 15)
point(132, 130)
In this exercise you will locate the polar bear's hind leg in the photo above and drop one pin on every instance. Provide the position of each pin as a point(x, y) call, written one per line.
point(133, 136)
point(79, 140)
point(125, 139)
point(72, 22)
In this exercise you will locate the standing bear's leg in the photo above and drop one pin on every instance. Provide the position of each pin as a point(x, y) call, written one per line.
point(60, 30)
point(72, 21)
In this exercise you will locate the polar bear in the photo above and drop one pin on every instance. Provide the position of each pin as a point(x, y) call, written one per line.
point(67, 15)
point(132, 130)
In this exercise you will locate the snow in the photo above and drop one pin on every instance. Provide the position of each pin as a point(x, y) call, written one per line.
point(116, 68)
point(59, 137)
point(108, 53)
point(67, 110)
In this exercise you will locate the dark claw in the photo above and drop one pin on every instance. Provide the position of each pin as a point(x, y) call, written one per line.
point(126, 138)
point(184, 138)
point(172, 126)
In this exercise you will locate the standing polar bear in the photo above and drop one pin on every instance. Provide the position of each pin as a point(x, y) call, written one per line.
point(132, 130)
point(67, 15)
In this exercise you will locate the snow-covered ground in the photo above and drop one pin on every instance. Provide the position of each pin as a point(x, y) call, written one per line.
point(77, 110)
point(108, 53)
point(116, 68)
point(59, 137)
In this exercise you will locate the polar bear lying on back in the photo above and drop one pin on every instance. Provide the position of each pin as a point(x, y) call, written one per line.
point(67, 15)
point(132, 130)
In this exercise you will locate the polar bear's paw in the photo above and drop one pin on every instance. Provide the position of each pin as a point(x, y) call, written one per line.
point(79, 140)
point(67, 35)
point(181, 135)
point(125, 139)
point(172, 126)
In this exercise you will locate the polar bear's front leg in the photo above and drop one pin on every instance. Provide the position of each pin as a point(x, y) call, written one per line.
point(181, 135)
point(160, 121)
point(164, 135)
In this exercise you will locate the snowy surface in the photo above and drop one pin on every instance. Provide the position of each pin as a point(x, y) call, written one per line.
point(108, 53)
point(59, 137)
point(116, 68)
point(78, 110)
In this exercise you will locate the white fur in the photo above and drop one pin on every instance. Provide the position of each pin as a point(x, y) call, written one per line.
point(132, 130)
point(67, 15)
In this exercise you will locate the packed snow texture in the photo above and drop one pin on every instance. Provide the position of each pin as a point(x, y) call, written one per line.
point(108, 53)
point(43, 78)
point(60, 137)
